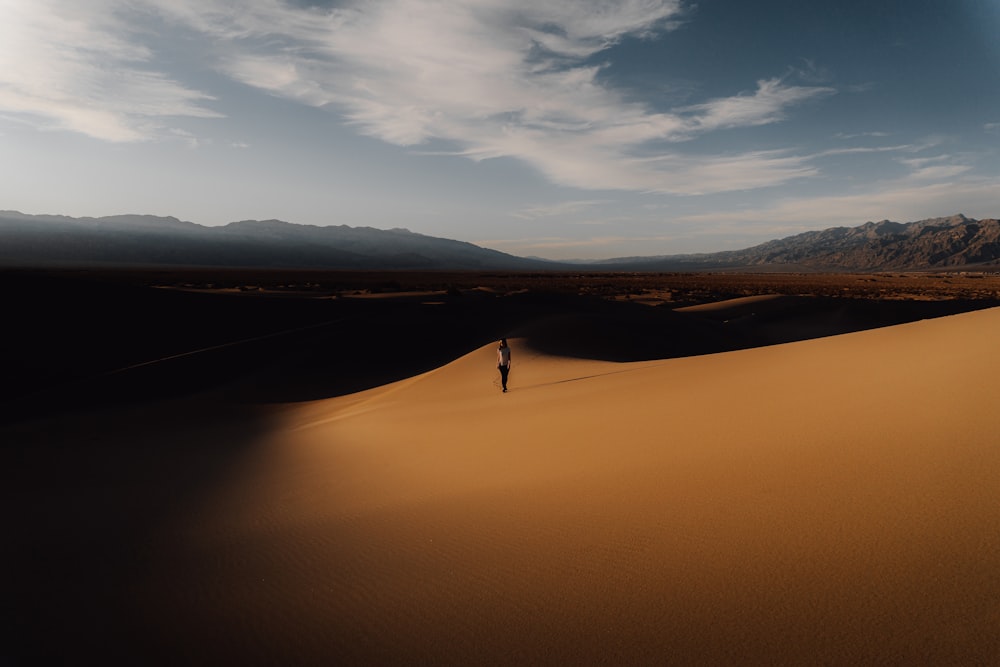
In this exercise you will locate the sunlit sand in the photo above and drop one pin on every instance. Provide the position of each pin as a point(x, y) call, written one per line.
point(832, 501)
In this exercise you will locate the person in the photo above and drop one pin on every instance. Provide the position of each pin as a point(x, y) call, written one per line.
point(503, 362)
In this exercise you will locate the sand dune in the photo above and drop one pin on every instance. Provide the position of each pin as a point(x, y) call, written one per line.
point(831, 501)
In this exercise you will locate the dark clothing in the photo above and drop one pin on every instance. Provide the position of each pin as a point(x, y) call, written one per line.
point(504, 370)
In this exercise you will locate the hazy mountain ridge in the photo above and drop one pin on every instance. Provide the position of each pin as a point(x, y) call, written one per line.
point(934, 243)
point(886, 245)
point(144, 239)
point(32, 240)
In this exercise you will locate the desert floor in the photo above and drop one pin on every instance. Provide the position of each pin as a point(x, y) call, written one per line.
point(323, 470)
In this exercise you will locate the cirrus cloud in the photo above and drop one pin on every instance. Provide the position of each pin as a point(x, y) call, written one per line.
point(75, 67)
point(486, 78)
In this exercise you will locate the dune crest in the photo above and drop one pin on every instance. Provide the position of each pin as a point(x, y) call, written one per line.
point(831, 501)
point(828, 500)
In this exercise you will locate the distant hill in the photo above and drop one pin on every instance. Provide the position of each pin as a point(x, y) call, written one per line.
point(46, 240)
point(935, 243)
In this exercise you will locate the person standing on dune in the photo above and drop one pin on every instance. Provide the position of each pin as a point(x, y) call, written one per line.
point(503, 362)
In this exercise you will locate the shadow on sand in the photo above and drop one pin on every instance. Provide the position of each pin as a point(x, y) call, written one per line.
point(78, 344)
point(125, 406)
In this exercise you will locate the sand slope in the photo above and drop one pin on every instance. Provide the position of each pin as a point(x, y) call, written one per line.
point(832, 501)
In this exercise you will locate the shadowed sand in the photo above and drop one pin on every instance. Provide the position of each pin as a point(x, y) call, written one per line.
point(832, 501)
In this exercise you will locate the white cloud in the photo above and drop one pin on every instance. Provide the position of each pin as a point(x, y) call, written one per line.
point(495, 78)
point(937, 172)
point(558, 209)
point(767, 105)
point(901, 200)
point(72, 66)
point(856, 135)
point(865, 149)
point(934, 168)
point(693, 175)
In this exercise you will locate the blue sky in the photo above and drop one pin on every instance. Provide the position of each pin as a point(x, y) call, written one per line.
point(554, 128)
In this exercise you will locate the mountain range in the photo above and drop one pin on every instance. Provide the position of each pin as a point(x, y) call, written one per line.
point(151, 240)
point(131, 240)
point(934, 243)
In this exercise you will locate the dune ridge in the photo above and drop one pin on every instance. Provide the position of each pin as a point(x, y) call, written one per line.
point(830, 501)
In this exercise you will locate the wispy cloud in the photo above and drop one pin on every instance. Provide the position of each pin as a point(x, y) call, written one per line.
point(903, 200)
point(857, 135)
point(934, 168)
point(558, 209)
point(857, 150)
point(768, 104)
point(490, 78)
point(72, 66)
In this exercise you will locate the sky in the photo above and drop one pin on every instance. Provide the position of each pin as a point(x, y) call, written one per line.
point(564, 129)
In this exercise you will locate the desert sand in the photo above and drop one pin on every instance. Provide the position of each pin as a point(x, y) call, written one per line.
point(828, 501)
